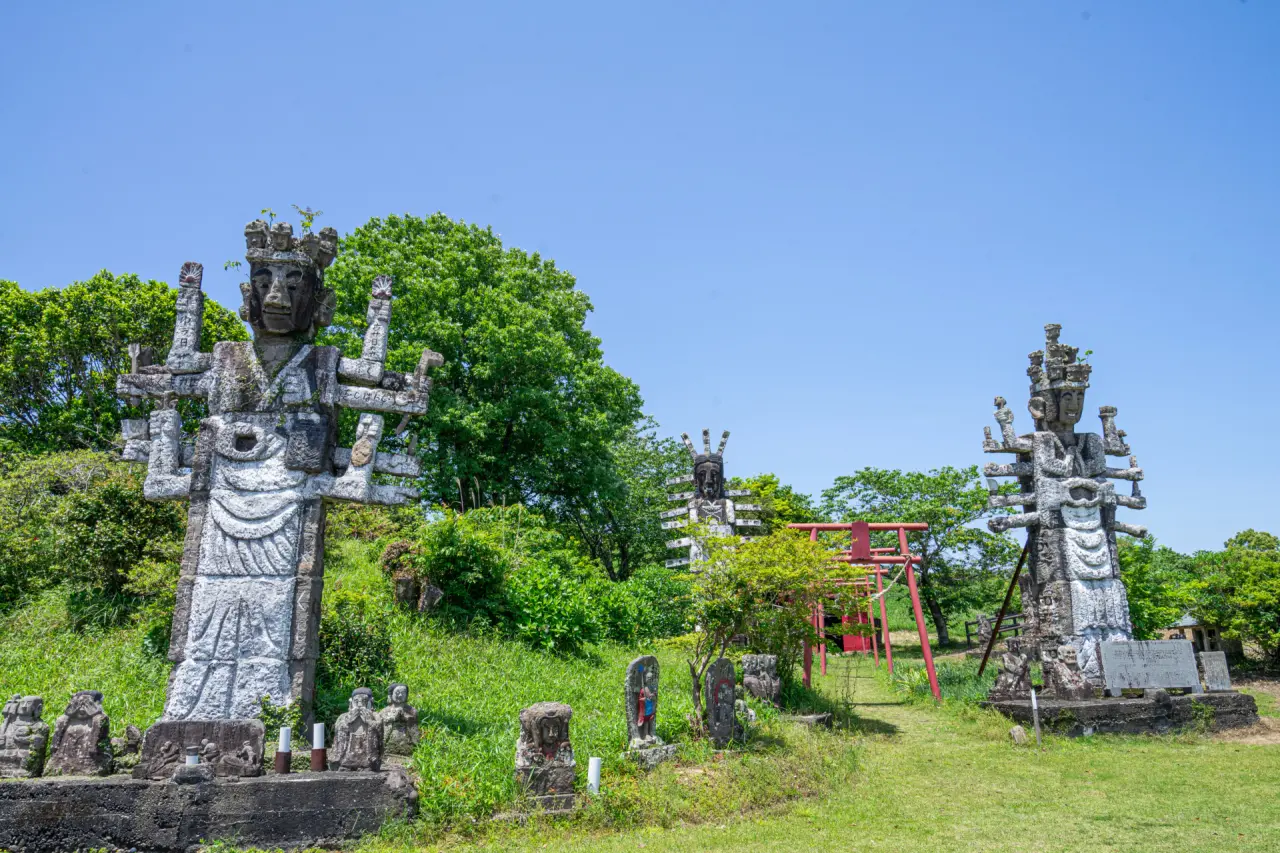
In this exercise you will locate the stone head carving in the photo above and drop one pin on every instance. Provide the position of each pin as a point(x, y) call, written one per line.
point(544, 728)
point(708, 467)
point(398, 694)
point(1058, 383)
point(30, 708)
point(84, 705)
point(285, 294)
point(361, 700)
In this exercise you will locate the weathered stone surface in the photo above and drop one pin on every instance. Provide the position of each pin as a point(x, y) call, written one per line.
point(545, 766)
point(81, 738)
point(1152, 714)
point(232, 747)
point(399, 722)
point(264, 461)
point(824, 719)
point(357, 735)
point(760, 677)
point(1072, 592)
point(653, 756)
point(303, 810)
point(1013, 680)
point(719, 698)
point(23, 737)
point(1150, 663)
point(1062, 676)
point(1019, 735)
point(1217, 675)
point(641, 699)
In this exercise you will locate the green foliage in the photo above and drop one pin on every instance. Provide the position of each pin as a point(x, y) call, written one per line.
point(464, 554)
point(617, 522)
point(355, 643)
point(782, 504)
point(550, 609)
point(1155, 579)
point(62, 348)
point(524, 409)
point(958, 682)
point(963, 565)
point(80, 517)
point(1238, 589)
point(275, 717)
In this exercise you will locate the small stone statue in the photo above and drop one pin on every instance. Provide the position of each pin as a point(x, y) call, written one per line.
point(399, 722)
point(760, 677)
point(81, 738)
point(1014, 679)
point(126, 750)
point(544, 756)
point(357, 735)
point(641, 692)
point(23, 737)
point(720, 695)
point(1062, 675)
point(985, 629)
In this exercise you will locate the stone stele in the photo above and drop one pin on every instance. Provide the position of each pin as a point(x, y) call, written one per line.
point(641, 698)
point(719, 697)
point(545, 767)
point(1072, 593)
point(1144, 664)
point(399, 722)
point(81, 738)
point(23, 737)
point(1217, 675)
point(263, 464)
point(357, 735)
point(760, 677)
point(709, 502)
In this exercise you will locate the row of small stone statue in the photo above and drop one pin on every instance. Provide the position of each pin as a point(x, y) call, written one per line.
point(82, 744)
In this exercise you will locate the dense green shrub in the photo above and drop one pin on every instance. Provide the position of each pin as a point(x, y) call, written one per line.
point(355, 642)
point(551, 609)
point(463, 555)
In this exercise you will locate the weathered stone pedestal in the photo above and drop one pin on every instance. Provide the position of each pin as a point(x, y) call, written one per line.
point(303, 810)
point(1159, 714)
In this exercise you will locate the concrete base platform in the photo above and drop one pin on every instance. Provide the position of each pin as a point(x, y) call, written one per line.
point(294, 810)
point(1160, 714)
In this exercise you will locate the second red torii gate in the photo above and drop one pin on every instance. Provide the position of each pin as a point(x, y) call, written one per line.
point(861, 553)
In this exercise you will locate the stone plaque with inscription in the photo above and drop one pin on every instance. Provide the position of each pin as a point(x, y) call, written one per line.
point(1149, 663)
point(1217, 677)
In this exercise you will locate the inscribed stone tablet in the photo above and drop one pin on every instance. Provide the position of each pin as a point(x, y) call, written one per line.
point(719, 697)
point(1216, 674)
point(1149, 663)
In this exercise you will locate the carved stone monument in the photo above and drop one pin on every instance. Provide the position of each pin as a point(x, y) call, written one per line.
point(23, 738)
point(399, 722)
point(1217, 675)
point(81, 738)
point(1071, 593)
point(719, 697)
point(709, 502)
point(641, 698)
point(1013, 681)
point(1146, 664)
point(259, 472)
point(545, 767)
point(357, 735)
point(760, 677)
point(1062, 676)
point(231, 747)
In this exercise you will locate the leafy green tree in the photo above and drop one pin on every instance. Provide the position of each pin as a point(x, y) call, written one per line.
point(963, 565)
point(1238, 588)
point(1155, 579)
point(61, 349)
point(618, 523)
point(524, 409)
point(782, 504)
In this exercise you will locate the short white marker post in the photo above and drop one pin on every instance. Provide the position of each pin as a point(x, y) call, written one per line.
point(284, 752)
point(318, 758)
point(1035, 715)
point(593, 774)
point(193, 755)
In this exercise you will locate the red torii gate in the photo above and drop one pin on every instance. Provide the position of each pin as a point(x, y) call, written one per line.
point(861, 553)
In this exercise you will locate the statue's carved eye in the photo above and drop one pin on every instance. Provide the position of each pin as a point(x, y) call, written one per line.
point(262, 278)
point(292, 278)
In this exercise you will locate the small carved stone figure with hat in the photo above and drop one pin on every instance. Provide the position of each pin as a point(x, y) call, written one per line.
point(399, 721)
point(545, 767)
point(23, 737)
point(357, 735)
point(81, 738)
point(641, 697)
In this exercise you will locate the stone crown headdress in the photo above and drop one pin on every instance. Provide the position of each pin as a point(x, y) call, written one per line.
point(265, 244)
point(706, 455)
point(1060, 370)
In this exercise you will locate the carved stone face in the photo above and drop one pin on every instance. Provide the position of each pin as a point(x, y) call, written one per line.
point(399, 694)
point(1070, 406)
point(709, 476)
point(281, 298)
point(360, 700)
point(550, 732)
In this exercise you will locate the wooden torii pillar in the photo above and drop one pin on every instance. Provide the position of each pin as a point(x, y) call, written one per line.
point(877, 560)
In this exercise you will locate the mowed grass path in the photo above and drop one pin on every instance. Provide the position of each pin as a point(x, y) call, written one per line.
point(951, 780)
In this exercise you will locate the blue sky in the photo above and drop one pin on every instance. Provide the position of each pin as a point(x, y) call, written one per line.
point(835, 229)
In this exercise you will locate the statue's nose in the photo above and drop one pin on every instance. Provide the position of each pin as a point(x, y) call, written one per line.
point(278, 296)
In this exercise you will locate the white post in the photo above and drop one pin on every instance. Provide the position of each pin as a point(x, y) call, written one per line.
point(1035, 715)
point(286, 739)
point(593, 774)
point(317, 736)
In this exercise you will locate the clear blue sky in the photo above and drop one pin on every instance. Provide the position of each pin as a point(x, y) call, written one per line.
point(835, 229)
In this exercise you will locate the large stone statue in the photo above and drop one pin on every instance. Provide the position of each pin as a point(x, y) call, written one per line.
point(399, 722)
point(81, 738)
point(1071, 593)
point(258, 474)
point(709, 502)
point(545, 767)
point(23, 737)
point(357, 735)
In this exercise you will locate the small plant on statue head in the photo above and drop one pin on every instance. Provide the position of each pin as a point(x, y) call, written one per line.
point(308, 217)
point(1084, 359)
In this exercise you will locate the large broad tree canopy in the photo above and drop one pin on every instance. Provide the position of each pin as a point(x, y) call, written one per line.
point(524, 408)
point(61, 349)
